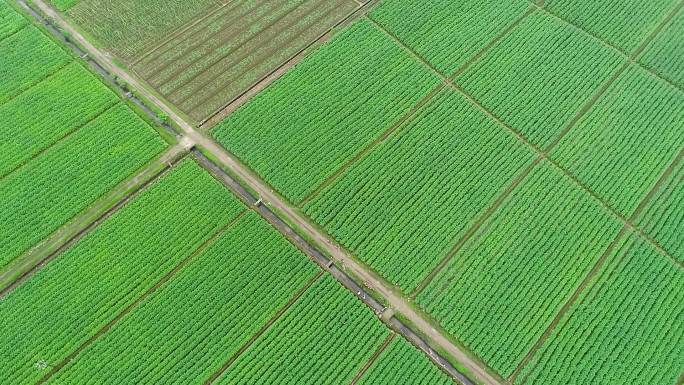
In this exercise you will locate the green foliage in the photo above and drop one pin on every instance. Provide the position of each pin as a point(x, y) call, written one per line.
point(130, 27)
point(11, 21)
point(402, 364)
point(663, 216)
point(665, 55)
point(625, 328)
point(402, 207)
point(319, 115)
point(540, 75)
point(504, 286)
point(325, 337)
point(448, 33)
point(63, 5)
point(61, 182)
point(630, 136)
point(28, 57)
point(67, 301)
point(48, 111)
point(623, 23)
point(207, 311)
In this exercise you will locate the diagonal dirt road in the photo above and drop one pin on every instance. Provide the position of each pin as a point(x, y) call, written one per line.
point(395, 300)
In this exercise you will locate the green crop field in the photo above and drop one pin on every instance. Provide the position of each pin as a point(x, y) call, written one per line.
point(298, 146)
point(326, 336)
point(401, 364)
point(351, 192)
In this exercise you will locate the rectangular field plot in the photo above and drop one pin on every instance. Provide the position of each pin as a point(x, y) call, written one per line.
point(502, 289)
point(324, 338)
point(448, 33)
point(52, 188)
point(625, 142)
point(402, 364)
point(627, 327)
point(188, 328)
point(211, 63)
point(539, 76)
point(11, 21)
point(129, 28)
point(340, 99)
point(664, 54)
point(47, 112)
point(663, 216)
point(67, 301)
point(623, 23)
point(403, 206)
point(26, 58)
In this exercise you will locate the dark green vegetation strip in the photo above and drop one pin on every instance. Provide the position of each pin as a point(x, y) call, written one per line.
point(325, 337)
point(129, 27)
point(623, 23)
point(10, 21)
point(663, 216)
point(403, 206)
point(538, 77)
point(186, 329)
point(490, 296)
point(625, 328)
point(664, 55)
point(47, 112)
point(300, 130)
point(402, 364)
point(640, 119)
point(58, 184)
point(447, 33)
point(70, 299)
point(27, 57)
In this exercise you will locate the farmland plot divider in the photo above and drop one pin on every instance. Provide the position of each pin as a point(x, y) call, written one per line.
point(373, 358)
point(597, 267)
point(179, 266)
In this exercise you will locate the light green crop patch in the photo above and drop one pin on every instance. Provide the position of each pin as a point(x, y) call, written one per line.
point(665, 55)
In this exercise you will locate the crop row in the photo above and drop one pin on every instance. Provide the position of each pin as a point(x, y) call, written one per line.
point(188, 328)
point(625, 328)
point(62, 181)
point(10, 20)
point(448, 33)
point(625, 142)
point(404, 205)
point(48, 111)
point(67, 301)
point(538, 77)
point(623, 23)
point(325, 337)
point(503, 288)
point(29, 56)
point(402, 364)
point(664, 54)
point(340, 99)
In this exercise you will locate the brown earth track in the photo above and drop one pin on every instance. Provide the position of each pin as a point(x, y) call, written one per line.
point(179, 266)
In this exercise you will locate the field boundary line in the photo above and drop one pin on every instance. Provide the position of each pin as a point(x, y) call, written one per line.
point(269, 78)
point(131, 306)
point(199, 103)
point(154, 46)
point(17, 31)
point(328, 265)
point(83, 223)
point(373, 358)
point(633, 57)
point(214, 376)
point(623, 232)
point(42, 80)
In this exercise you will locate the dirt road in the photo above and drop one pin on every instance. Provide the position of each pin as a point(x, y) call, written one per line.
point(396, 301)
